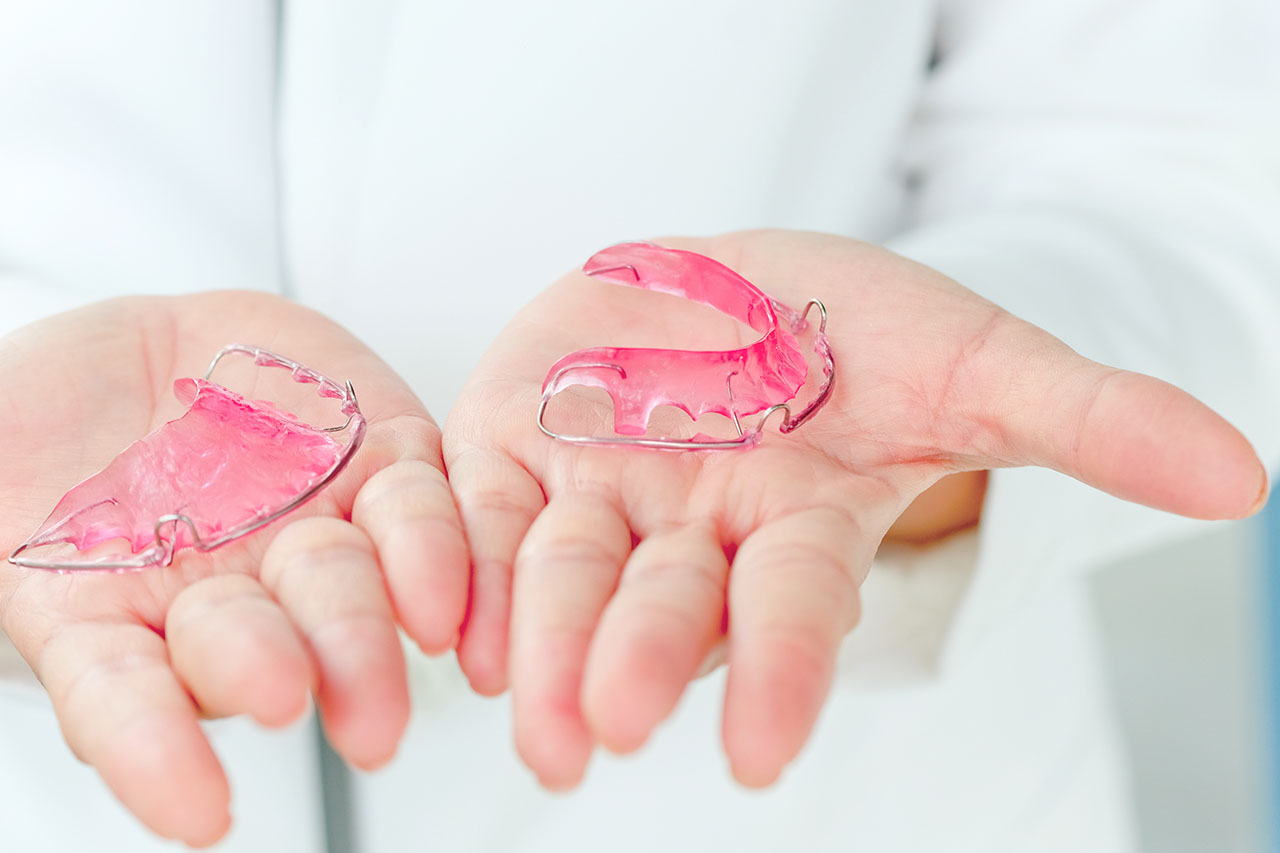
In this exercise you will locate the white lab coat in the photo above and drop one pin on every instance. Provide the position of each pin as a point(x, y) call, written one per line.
point(1109, 170)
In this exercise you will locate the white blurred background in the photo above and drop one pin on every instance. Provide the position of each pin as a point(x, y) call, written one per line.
point(1185, 635)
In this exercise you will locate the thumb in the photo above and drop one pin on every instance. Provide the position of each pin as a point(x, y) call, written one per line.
point(1128, 434)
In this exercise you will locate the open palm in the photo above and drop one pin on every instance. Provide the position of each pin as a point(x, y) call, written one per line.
point(623, 569)
point(307, 605)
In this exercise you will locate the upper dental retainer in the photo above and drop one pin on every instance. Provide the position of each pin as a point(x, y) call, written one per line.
point(226, 468)
point(760, 377)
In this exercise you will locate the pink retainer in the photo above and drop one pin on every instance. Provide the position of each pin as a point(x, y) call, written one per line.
point(225, 468)
point(760, 377)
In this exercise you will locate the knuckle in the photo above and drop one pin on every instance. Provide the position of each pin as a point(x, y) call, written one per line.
point(359, 627)
point(669, 621)
point(409, 487)
point(316, 534)
point(409, 435)
point(805, 650)
point(485, 480)
point(313, 544)
point(208, 597)
point(496, 500)
point(566, 548)
point(696, 580)
point(81, 697)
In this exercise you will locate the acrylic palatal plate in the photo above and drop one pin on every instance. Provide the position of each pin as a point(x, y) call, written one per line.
point(221, 471)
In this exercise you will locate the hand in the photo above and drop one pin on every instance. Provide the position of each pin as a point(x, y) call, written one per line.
point(305, 606)
point(623, 569)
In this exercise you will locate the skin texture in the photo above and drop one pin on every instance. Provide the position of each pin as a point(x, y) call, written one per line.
point(603, 579)
point(306, 607)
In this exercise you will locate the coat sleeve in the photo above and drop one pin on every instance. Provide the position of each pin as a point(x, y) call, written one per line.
point(137, 151)
point(1108, 170)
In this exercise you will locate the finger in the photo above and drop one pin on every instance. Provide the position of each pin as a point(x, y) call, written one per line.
point(1134, 436)
point(325, 576)
point(498, 501)
point(408, 511)
point(655, 634)
point(792, 598)
point(565, 571)
point(237, 652)
point(123, 711)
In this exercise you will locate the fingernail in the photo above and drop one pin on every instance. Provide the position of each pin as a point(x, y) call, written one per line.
point(1264, 492)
